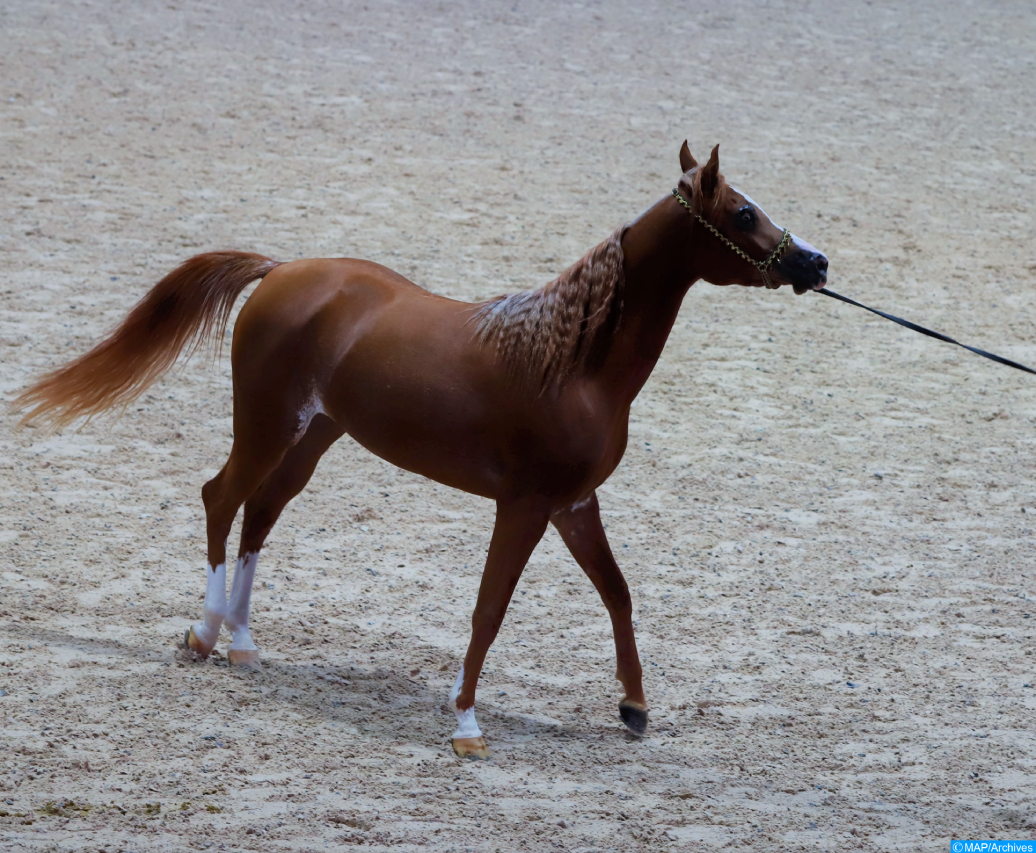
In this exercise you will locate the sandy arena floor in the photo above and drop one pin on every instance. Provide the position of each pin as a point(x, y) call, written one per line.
point(826, 520)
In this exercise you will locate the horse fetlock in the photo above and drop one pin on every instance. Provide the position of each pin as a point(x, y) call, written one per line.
point(463, 708)
point(467, 741)
point(207, 630)
point(240, 637)
point(195, 639)
point(632, 680)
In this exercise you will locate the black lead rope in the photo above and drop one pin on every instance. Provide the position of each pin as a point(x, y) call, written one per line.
point(938, 336)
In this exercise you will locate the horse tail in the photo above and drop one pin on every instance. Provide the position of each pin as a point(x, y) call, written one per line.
point(185, 309)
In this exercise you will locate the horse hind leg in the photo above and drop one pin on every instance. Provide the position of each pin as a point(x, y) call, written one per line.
point(262, 510)
point(201, 637)
point(223, 496)
point(242, 650)
point(259, 446)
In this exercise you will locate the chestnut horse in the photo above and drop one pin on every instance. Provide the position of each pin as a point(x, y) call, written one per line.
point(524, 399)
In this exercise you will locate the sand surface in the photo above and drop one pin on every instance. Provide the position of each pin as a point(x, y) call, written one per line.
point(826, 521)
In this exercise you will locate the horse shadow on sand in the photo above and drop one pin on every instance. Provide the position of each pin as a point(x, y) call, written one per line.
point(371, 701)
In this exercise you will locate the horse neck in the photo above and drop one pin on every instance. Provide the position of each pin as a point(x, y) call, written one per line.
point(658, 271)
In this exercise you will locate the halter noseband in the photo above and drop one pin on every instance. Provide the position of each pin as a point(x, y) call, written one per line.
point(762, 266)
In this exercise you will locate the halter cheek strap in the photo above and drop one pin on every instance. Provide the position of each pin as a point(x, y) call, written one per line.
point(762, 266)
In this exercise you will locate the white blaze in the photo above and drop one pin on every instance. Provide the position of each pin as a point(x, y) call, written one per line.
point(760, 211)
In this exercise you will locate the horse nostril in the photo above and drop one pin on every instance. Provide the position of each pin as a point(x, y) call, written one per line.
point(820, 262)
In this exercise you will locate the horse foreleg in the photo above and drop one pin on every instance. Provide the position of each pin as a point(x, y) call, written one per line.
point(581, 529)
point(519, 526)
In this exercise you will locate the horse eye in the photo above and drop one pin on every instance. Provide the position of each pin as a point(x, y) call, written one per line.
point(745, 218)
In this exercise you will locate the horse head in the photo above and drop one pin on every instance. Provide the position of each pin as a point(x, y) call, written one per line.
point(742, 244)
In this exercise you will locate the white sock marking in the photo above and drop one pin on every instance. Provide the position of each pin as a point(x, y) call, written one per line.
point(466, 725)
point(240, 600)
point(214, 610)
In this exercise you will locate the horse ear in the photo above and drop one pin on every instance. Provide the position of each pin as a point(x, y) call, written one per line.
point(710, 174)
point(687, 162)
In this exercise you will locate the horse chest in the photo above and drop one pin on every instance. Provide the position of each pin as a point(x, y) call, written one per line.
point(583, 456)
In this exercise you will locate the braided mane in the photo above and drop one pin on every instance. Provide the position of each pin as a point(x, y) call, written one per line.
point(547, 335)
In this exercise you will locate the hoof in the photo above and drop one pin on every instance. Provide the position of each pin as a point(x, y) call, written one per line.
point(471, 747)
point(634, 715)
point(191, 642)
point(245, 658)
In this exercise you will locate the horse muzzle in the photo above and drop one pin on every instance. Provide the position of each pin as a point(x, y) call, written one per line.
point(804, 268)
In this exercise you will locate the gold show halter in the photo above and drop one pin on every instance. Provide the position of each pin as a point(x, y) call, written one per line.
point(762, 266)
